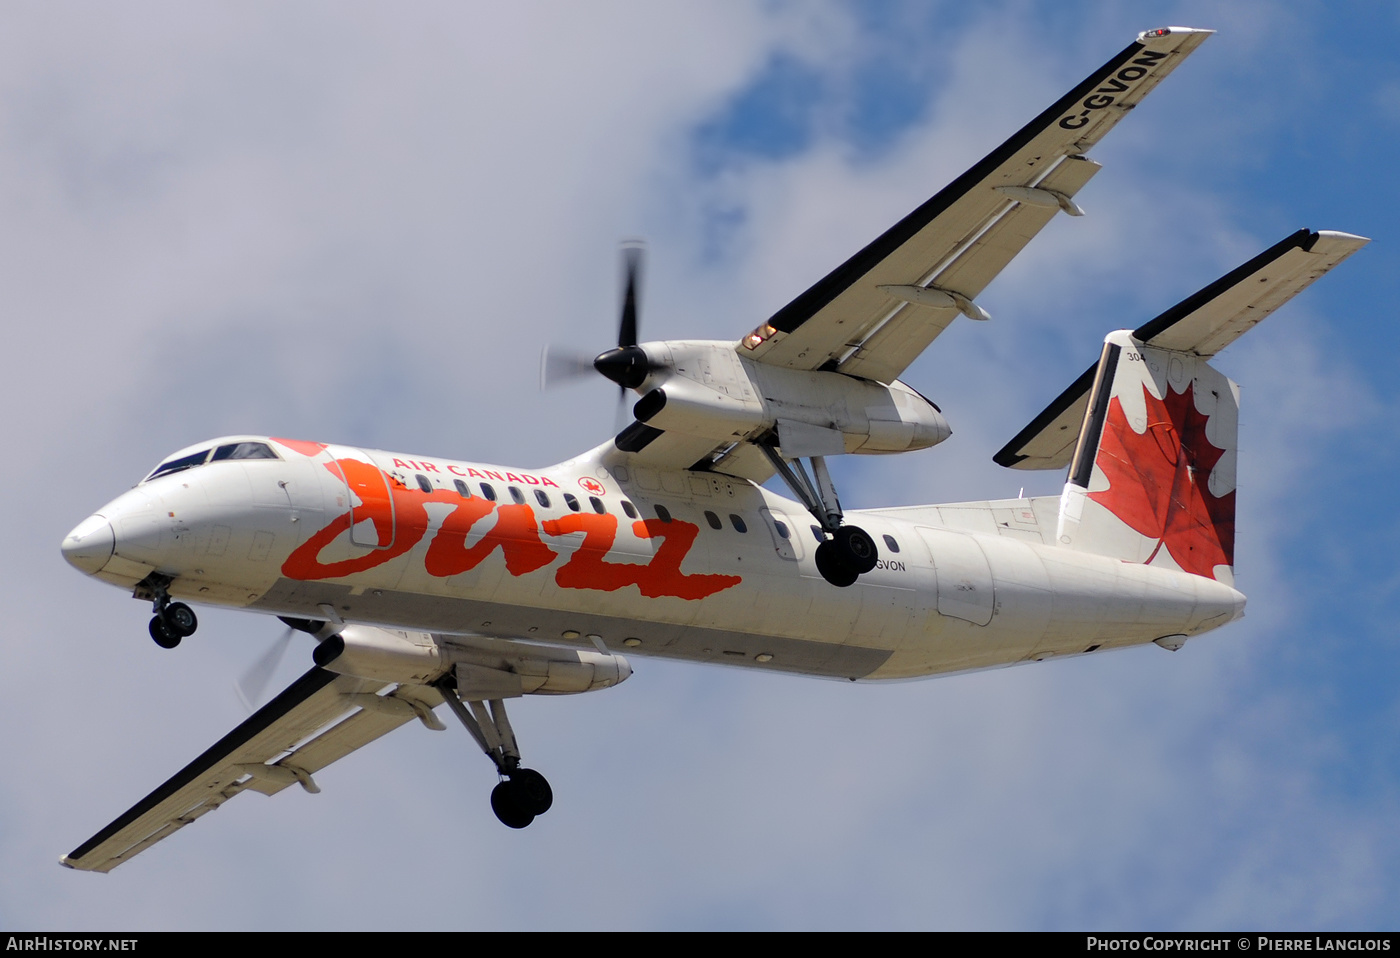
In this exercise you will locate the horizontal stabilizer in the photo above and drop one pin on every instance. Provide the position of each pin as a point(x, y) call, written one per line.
point(1208, 321)
point(1048, 441)
point(1202, 324)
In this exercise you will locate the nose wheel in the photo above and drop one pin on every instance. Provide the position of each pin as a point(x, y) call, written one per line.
point(172, 621)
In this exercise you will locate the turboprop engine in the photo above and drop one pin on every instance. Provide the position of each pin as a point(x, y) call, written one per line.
point(483, 669)
point(707, 389)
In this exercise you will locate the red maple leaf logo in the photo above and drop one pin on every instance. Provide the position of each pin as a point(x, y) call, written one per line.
point(1158, 482)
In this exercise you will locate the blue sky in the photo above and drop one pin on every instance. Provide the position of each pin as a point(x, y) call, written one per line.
point(344, 222)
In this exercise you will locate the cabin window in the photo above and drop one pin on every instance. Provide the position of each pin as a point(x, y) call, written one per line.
point(542, 498)
point(663, 513)
point(782, 528)
point(737, 523)
point(489, 491)
point(713, 520)
point(889, 541)
point(630, 509)
point(571, 501)
point(817, 534)
point(597, 505)
point(516, 494)
point(424, 484)
point(462, 489)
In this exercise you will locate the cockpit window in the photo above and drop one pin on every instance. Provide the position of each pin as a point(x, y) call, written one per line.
point(243, 450)
point(181, 464)
point(233, 450)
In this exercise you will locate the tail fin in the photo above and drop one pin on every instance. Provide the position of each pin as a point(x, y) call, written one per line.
point(1153, 477)
point(1152, 473)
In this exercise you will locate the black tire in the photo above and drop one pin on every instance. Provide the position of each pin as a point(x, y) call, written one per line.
point(506, 803)
point(180, 619)
point(162, 634)
point(533, 790)
point(857, 549)
point(832, 568)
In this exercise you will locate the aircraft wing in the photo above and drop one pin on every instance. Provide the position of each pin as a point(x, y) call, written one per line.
point(319, 718)
point(1203, 323)
point(875, 313)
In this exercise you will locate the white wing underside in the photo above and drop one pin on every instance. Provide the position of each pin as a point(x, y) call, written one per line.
point(873, 315)
point(963, 237)
point(320, 718)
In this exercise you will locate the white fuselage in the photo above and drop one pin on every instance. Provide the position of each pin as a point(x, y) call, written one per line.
point(326, 532)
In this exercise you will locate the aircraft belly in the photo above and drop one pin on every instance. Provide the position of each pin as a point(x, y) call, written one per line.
point(723, 641)
point(772, 616)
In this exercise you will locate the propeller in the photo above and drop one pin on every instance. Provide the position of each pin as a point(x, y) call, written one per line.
point(251, 685)
point(626, 364)
point(559, 366)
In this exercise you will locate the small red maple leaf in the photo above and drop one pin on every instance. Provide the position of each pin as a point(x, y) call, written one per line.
point(1158, 481)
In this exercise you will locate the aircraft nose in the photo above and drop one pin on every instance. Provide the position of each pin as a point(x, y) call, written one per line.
point(89, 546)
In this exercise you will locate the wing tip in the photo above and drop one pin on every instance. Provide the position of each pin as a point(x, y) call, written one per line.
point(1337, 241)
point(1160, 32)
point(1008, 457)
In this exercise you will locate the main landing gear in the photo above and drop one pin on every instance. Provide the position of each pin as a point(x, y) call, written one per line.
point(172, 621)
point(522, 793)
point(847, 552)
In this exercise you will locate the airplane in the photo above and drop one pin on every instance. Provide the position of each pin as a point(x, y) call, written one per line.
point(430, 581)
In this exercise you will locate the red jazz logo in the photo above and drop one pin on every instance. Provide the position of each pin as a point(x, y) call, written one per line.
point(592, 485)
point(402, 522)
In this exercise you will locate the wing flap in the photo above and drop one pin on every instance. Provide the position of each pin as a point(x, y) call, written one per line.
point(969, 230)
point(299, 732)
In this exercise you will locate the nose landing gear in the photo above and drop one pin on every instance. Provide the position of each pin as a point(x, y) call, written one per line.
point(172, 621)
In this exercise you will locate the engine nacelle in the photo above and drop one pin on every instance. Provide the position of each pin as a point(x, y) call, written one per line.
point(484, 668)
point(686, 406)
point(568, 672)
point(707, 389)
point(384, 655)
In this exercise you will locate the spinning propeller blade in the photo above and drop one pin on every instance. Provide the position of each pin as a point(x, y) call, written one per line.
point(559, 366)
point(625, 364)
point(252, 683)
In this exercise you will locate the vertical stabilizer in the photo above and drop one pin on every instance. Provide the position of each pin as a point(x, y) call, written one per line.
point(1153, 475)
point(1152, 472)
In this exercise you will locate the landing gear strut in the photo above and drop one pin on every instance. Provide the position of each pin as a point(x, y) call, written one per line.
point(172, 621)
point(849, 552)
point(522, 793)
